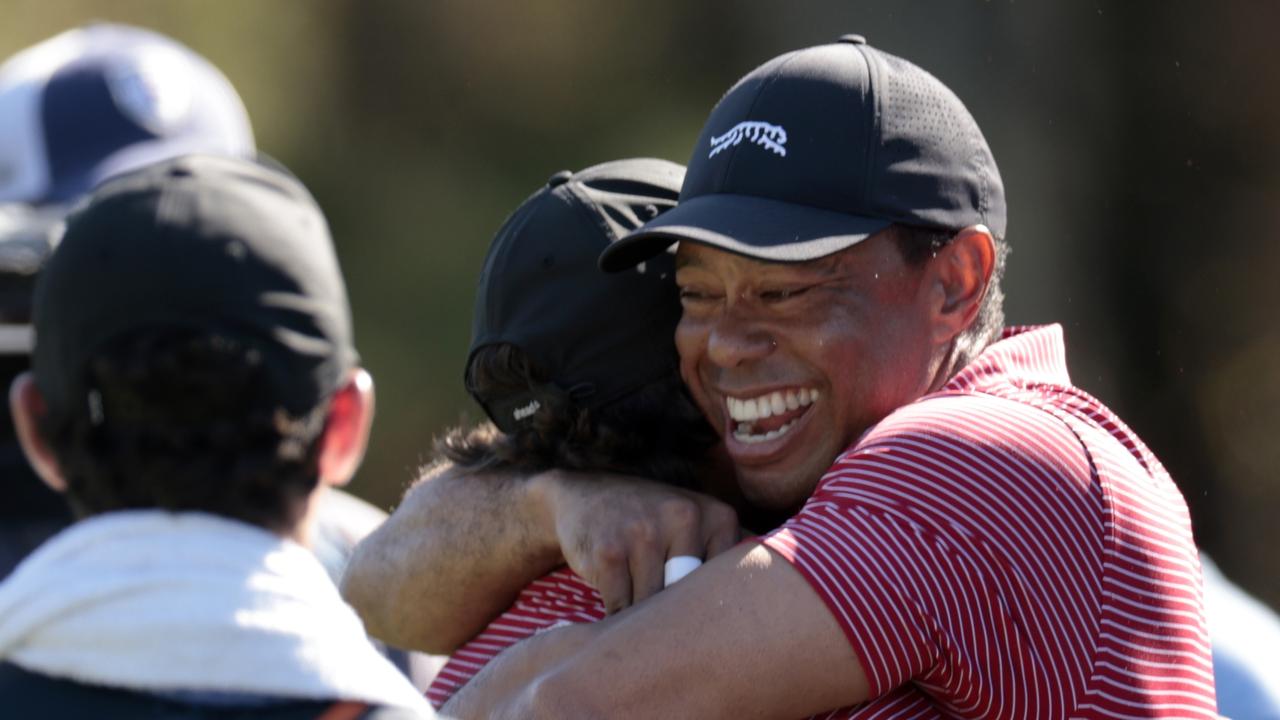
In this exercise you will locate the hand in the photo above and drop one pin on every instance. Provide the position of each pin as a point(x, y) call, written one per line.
point(617, 532)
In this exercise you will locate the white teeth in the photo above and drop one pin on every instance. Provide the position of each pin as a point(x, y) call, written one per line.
point(764, 408)
point(743, 433)
point(779, 405)
point(768, 405)
point(741, 410)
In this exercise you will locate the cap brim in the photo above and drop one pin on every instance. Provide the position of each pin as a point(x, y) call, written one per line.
point(755, 227)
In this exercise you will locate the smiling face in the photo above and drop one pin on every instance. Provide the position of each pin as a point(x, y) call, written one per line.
point(791, 363)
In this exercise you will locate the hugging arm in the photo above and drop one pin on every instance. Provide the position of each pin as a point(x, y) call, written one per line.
point(452, 556)
point(744, 636)
point(462, 545)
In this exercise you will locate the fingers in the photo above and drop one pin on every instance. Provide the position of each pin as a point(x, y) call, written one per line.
point(685, 528)
point(618, 533)
point(646, 573)
point(720, 530)
point(612, 577)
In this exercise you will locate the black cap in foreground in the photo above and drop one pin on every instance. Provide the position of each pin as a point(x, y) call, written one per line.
point(599, 337)
point(815, 150)
point(205, 243)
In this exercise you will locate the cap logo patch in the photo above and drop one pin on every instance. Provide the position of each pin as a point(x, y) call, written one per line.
point(527, 410)
point(766, 135)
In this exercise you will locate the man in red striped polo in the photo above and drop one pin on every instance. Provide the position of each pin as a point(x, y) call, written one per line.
point(990, 541)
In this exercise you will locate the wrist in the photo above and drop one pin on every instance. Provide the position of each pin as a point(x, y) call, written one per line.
point(541, 496)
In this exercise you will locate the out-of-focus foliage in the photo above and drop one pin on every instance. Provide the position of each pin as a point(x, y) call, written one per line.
point(1138, 140)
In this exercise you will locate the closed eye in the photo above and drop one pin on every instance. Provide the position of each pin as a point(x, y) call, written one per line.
point(691, 295)
point(784, 294)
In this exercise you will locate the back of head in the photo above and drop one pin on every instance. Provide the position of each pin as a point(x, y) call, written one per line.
point(576, 368)
point(75, 109)
point(190, 327)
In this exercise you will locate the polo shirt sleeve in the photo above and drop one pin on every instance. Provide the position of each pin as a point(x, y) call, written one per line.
point(940, 551)
point(889, 582)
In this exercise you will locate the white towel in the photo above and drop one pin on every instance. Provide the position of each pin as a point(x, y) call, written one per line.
point(160, 602)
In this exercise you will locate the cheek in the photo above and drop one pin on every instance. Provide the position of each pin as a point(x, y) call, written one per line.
point(689, 338)
point(689, 344)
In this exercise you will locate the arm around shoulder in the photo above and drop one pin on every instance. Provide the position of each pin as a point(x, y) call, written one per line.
point(451, 558)
point(743, 636)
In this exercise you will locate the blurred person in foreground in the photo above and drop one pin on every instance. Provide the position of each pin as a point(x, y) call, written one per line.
point(973, 536)
point(76, 109)
point(194, 393)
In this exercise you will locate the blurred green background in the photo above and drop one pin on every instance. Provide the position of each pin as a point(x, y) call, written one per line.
point(1138, 142)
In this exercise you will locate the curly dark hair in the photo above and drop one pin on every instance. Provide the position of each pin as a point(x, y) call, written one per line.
point(920, 244)
point(184, 420)
point(655, 432)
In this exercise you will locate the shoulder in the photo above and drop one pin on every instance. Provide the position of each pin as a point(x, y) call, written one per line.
point(968, 440)
point(969, 470)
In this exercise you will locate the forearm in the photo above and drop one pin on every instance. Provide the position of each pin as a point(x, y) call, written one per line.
point(518, 686)
point(743, 636)
point(451, 558)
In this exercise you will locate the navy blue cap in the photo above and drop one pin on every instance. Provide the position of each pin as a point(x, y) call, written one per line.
point(816, 150)
point(104, 99)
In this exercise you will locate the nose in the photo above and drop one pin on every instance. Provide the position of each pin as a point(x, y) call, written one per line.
point(734, 340)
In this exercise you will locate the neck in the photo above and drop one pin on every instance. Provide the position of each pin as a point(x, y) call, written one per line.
point(959, 352)
point(302, 528)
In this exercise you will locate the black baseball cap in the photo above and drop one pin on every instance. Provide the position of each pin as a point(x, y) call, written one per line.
point(598, 337)
point(220, 244)
point(815, 150)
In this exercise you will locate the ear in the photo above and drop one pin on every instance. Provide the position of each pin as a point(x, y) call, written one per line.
point(346, 431)
point(27, 407)
point(962, 273)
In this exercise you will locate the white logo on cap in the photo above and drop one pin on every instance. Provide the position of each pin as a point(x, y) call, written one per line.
point(772, 137)
point(524, 412)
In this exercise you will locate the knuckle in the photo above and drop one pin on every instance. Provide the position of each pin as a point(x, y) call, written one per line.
point(681, 512)
point(721, 516)
point(641, 532)
point(610, 554)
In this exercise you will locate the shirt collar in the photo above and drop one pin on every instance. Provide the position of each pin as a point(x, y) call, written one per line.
point(1025, 355)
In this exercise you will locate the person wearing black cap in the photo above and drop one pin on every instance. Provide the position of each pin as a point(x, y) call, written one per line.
point(75, 109)
point(973, 536)
point(576, 371)
point(194, 393)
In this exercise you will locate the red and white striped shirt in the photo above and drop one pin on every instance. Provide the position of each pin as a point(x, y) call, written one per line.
point(1003, 548)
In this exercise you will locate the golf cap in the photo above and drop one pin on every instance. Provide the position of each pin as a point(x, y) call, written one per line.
point(203, 243)
point(815, 150)
point(105, 99)
point(598, 337)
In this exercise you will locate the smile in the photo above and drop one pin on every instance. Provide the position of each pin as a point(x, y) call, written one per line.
point(768, 416)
